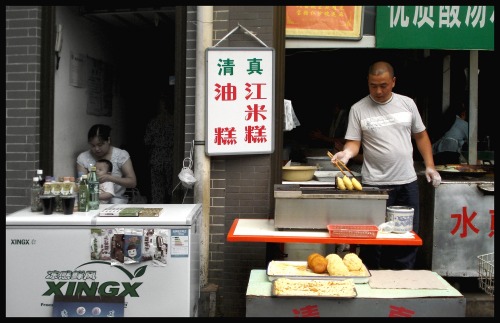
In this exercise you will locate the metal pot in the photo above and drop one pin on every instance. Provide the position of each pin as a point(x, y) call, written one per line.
point(298, 173)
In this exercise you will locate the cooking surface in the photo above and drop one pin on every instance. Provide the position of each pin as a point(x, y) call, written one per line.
point(326, 191)
point(465, 171)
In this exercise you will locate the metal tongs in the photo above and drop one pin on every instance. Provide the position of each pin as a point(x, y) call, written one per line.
point(338, 163)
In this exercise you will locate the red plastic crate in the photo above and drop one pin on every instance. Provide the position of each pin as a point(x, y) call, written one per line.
point(352, 231)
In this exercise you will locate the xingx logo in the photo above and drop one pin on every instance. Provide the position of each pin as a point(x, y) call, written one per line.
point(74, 282)
point(19, 241)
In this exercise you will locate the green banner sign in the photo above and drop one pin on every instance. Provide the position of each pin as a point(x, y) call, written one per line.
point(435, 27)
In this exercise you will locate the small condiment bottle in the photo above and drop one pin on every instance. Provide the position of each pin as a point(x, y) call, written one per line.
point(67, 186)
point(47, 188)
point(83, 195)
point(76, 184)
point(56, 190)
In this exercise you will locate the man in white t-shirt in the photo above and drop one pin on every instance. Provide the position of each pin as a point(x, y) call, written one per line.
point(384, 123)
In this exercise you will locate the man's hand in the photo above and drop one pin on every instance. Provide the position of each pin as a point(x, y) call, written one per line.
point(343, 156)
point(432, 175)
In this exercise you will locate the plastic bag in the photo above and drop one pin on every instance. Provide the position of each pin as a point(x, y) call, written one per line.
point(186, 174)
point(187, 178)
point(290, 121)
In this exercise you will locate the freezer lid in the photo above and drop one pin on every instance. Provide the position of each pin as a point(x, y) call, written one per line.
point(27, 218)
point(172, 215)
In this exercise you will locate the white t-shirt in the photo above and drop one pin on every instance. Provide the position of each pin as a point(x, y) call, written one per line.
point(107, 187)
point(385, 134)
point(118, 158)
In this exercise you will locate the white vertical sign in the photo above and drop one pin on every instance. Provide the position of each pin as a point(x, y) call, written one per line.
point(239, 101)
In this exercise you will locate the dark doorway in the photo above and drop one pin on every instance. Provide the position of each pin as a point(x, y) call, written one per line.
point(317, 79)
point(144, 44)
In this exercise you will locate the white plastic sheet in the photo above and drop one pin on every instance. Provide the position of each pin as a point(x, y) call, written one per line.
point(291, 121)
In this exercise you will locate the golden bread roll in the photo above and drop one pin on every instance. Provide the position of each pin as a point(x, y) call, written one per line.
point(333, 257)
point(317, 263)
point(352, 261)
point(337, 268)
point(311, 256)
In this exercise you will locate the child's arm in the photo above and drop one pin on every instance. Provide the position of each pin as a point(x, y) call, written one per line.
point(105, 195)
point(106, 191)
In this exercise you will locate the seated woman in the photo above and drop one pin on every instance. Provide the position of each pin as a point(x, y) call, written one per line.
point(123, 174)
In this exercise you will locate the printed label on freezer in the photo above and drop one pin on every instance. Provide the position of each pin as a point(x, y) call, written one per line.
point(179, 242)
point(155, 246)
point(129, 246)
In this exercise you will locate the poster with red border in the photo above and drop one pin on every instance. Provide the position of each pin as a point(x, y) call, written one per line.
point(344, 22)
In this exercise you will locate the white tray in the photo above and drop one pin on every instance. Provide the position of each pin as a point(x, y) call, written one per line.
point(298, 270)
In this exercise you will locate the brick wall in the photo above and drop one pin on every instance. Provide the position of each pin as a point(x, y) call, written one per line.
point(239, 185)
point(22, 102)
point(190, 87)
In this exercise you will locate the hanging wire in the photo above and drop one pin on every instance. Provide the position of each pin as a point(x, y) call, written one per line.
point(248, 32)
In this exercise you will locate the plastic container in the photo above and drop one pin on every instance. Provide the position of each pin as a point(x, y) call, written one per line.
point(298, 173)
point(66, 186)
point(402, 216)
point(352, 231)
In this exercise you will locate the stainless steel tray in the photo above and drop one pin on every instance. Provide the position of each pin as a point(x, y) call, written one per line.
point(298, 270)
point(314, 288)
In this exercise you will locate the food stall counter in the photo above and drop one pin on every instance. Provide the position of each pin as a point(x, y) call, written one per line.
point(412, 293)
point(263, 230)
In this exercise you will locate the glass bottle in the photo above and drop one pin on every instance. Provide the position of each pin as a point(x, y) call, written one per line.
point(83, 195)
point(76, 189)
point(93, 189)
point(56, 191)
point(36, 204)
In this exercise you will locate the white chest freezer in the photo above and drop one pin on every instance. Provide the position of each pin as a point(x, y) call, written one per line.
point(50, 256)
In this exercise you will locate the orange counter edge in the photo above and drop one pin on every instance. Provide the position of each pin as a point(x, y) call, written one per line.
point(231, 237)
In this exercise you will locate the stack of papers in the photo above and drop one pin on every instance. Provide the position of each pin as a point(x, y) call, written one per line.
point(151, 211)
point(111, 211)
point(130, 211)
